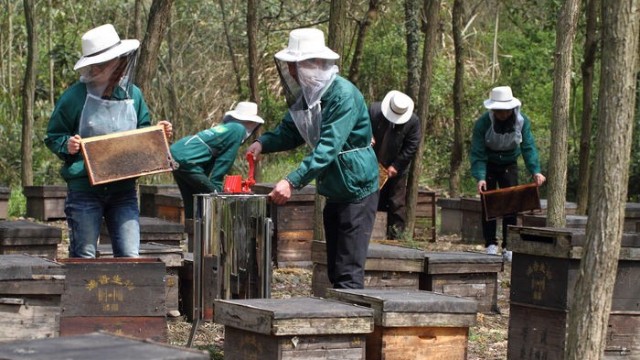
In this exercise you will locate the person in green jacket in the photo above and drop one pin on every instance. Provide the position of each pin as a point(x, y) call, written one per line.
point(206, 157)
point(104, 101)
point(500, 136)
point(329, 114)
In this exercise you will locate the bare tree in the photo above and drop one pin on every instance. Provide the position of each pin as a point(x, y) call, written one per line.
point(591, 303)
point(137, 19)
point(412, 26)
point(338, 27)
point(565, 35)
point(590, 50)
point(457, 148)
point(254, 61)
point(159, 17)
point(363, 25)
point(227, 35)
point(28, 94)
point(432, 10)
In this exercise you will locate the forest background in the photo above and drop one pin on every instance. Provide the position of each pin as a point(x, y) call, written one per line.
point(203, 69)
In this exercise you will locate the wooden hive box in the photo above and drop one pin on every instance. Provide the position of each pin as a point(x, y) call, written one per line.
point(546, 263)
point(30, 293)
point(387, 267)
point(5, 194)
point(425, 228)
point(170, 207)
point(471, 231)
point(126, 155)
point(153, 230)
point(450, 216)
point(414, 324)
point(171, 256)
point(148, 195)
point(122, 295)
point(465, 274)
point(540, 220)
point(293, 225)
point(26, 237)
point(45, 202)
point(631, 217)
point(294, 328)
point(97, 345)
point(569, 207)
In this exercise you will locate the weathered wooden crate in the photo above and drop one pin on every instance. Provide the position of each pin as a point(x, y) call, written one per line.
point(541, 333)
point(293, 225)
point(540, 220)
point(170, 207)
point(148, 195)
point(97, 345)
point(450, 216)
point(26, 237)
point(294, 328)
point(45, 202)
point(414, 324)
point(171, 256)
point(30, 293)
point(425, 228)
point(153, 230)
point(5, 194)
point(465, 274)
point(126, 155)
point(387, 267)
point(471, 231)
point(120, 295)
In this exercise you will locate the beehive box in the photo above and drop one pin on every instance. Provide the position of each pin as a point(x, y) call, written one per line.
point(425, 228)
point(540, 220)
point(97, 345)
point(450, 216)
point(387, 266)
point(126, 155)
point(26, 237)
point(209, 287)
point(631, 217)
point(170, 207)
point(30, 293)
point(546, 263)
point(5, 193)
point(153, 230)
point(471, 231)
point(171, 256)
point(414, 324)
point(465, 274)
point(569, 207)
point(293, 225)
point(45, 202)
point(294, 328)
point(148, 195)
point(122, 295)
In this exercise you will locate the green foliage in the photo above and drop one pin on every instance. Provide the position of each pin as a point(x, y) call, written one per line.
point(17, 203)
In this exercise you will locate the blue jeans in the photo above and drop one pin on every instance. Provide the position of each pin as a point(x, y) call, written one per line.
point(85, 211)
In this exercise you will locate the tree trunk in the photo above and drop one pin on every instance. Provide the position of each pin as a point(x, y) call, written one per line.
point(565, 35)
point(591, 303)
point(232, 56)
point(432, 9)
point(411, 11)
point(457, 148)
point(159, 17)
point(52, 89)
point(254, 61)
point(338, 27)
point(137, 21)
point(354, 70)
point(590, 48)
point(28, 94)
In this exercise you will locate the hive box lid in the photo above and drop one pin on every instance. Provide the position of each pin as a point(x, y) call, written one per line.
point(45, 191)
point(294, 316)
point(24, 228)
point(411, 308)
point(170, 255)
point(449, 203)
point(166, 189)
point(26, 267)
point(101, 346)
point(150, 225)
point(380, 257)
point(461, 262)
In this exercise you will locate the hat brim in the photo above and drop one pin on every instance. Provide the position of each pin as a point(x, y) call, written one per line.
point(124, 47)
point(392, 116)
point(288, 56)
point(254, 118)
point(502, 105)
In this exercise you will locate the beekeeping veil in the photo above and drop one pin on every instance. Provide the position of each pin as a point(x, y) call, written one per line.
point(307, 68)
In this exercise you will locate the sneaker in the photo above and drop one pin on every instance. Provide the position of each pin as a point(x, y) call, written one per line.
point(492, 249)
point(507, 255)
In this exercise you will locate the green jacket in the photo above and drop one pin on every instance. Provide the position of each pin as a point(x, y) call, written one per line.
point(480, 154)
point(64, 123)
point(343, 162)
point(210, 152)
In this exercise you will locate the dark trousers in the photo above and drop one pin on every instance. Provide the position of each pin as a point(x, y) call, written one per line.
point(499, 176)
point(189, 185)
point(347, 228)
point(392, 200)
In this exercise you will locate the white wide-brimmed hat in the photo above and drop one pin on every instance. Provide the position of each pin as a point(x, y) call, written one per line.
point(306, 44)
point(397, 107)
point(501, 98)
point(103, 44)
point(245, 111)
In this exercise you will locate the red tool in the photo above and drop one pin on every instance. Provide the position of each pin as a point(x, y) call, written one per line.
point(234, 183)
